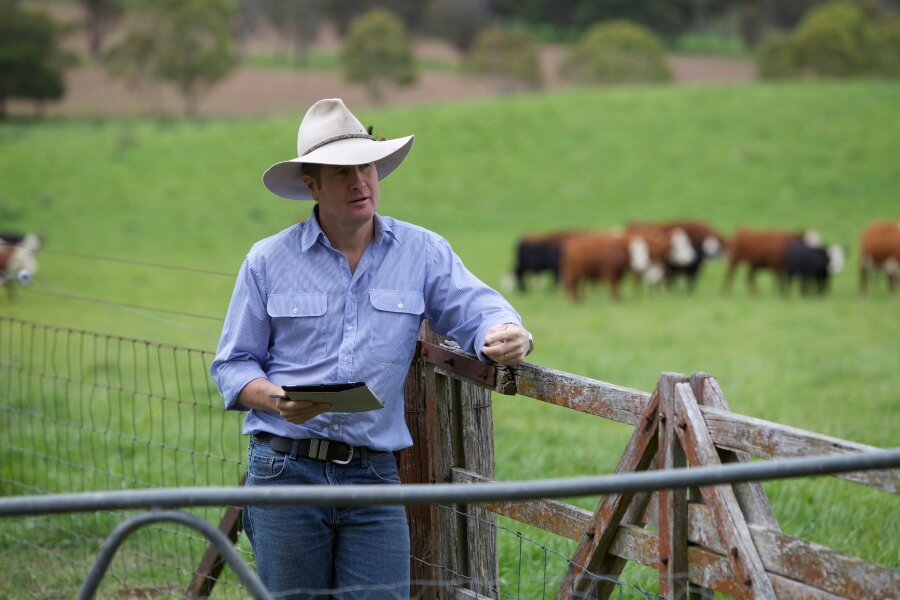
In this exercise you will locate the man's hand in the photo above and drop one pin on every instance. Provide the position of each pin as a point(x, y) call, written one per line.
point(506, 344)
point(263, 394)
point(300, 411)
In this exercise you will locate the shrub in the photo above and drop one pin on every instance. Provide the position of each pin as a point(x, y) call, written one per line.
point(510, 55)
point(828, 50)
point(377, 49)
point(777, 59)
point(836, 39)
point(616, 52)
point(886, 49)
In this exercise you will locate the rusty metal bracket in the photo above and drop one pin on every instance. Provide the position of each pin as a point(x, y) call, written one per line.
point(458, 363)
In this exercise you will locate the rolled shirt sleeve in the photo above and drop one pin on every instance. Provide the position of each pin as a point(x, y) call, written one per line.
point(243, 346)
point(459, 305)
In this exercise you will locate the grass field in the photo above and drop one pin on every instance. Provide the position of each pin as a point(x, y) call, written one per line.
point(766, 155)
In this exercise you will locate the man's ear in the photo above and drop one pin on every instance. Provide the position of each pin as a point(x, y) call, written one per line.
point(310, 183)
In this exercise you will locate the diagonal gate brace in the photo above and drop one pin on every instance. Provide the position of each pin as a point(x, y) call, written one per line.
point(592, 555)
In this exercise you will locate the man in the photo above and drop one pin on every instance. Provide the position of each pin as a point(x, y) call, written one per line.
point(339, 298)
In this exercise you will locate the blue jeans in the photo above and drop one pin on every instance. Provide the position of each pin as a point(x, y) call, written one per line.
point(321, 552)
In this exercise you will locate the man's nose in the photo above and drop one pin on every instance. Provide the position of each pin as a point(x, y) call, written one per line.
point(356, 178)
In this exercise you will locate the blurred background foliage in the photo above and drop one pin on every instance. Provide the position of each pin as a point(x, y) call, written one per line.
point(192, 46)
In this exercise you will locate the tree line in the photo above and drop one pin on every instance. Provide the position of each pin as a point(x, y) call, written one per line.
point(193, 44)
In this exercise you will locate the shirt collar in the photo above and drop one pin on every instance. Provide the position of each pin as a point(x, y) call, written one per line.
point(383, 230)
point(313, 230)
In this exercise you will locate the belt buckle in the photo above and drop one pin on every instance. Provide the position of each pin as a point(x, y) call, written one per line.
point(349, 457)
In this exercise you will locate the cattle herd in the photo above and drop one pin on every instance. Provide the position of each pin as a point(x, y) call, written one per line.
point(662, 253)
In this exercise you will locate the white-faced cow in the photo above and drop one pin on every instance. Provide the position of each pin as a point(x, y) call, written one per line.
point(17, 259)
point(763, 250)
point(601, 256)
point(674, 251)
point(811, 265)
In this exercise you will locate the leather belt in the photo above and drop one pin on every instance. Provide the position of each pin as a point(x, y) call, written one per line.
point(336, 452)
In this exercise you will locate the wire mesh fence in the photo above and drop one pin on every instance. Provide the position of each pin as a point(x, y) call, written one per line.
point(84, 412)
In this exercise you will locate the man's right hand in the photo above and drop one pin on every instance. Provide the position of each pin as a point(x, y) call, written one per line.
point(262, 394)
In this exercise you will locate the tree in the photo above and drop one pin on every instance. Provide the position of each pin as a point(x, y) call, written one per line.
point(31, 61)
point(457, 21)
point(297, 20)
point(377, 49)
point(510, 55)
point(101, 16)
point(616, 52)
point(186, 44)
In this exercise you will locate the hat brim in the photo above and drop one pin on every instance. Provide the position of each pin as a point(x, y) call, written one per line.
point(285, 179)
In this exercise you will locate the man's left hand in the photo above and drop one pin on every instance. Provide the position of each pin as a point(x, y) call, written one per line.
point(506, 344)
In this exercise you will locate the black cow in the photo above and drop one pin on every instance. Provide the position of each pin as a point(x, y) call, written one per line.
point(539, 254)
point(689, 270)
point(811, 264)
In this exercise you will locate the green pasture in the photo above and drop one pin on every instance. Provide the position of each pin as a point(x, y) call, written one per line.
point(799, 155)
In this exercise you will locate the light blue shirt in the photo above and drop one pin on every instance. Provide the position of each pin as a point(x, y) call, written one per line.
point(298, 316)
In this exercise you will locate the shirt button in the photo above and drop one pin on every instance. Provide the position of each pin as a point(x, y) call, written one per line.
point(400, 305)
point(341, 259)
point(294, 310)
point(349, 327)
point(334, 427)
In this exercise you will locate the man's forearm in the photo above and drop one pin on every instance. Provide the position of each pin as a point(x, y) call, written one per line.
point(258, 394)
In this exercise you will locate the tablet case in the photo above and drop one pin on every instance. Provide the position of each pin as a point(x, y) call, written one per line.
point(354, 396)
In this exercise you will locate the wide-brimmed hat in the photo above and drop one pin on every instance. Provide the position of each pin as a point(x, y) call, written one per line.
point(329, 134)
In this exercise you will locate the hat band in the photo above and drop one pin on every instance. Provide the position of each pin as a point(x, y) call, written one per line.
point(338, 138)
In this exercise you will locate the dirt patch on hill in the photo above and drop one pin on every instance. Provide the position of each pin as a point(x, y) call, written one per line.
point(90, 92)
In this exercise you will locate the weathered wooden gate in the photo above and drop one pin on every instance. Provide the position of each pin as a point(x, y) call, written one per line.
point(721, 538)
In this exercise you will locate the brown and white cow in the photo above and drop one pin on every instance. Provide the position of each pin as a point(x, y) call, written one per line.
point(880, 250)
point(601, 256)
point(672, 251)
point(763, 250)
point(17, 260)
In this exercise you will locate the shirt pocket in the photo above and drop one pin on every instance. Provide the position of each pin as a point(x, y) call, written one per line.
point(396, 317)
point(298, 322)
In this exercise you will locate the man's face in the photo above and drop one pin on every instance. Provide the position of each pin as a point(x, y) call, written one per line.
point(347, 195)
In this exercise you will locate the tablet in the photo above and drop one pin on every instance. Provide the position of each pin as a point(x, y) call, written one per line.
point(353, 396)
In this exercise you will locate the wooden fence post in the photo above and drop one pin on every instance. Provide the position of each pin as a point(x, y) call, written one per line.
point(452, 428)
point(673, 506)
point(415, 467)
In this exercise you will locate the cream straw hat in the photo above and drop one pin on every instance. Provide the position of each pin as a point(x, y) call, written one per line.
point(329, 134)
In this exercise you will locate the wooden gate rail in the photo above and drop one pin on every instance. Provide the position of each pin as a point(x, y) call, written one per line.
point(721, 538)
